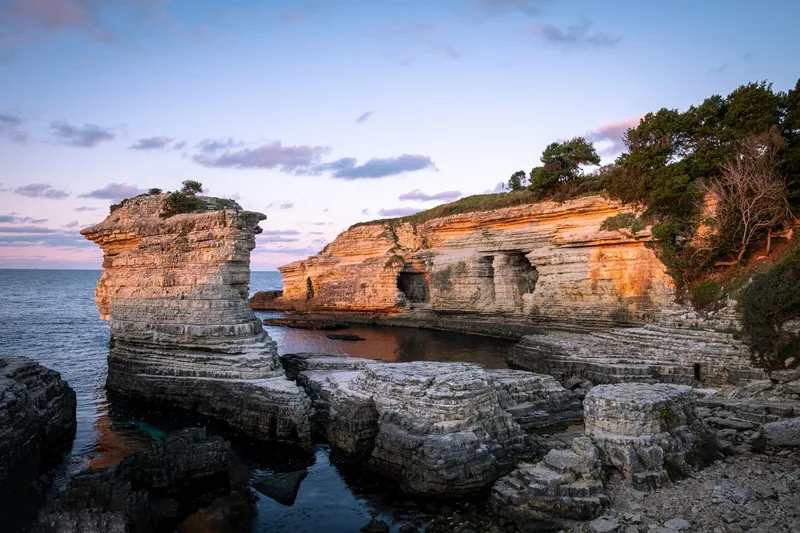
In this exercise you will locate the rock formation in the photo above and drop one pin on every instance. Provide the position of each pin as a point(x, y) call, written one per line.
point(544, 264)
point(182, 333)
point(152, 490)
point(526, 270)
point(37, 424)
point(437, 428)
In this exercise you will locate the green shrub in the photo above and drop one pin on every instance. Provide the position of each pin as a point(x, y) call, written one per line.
point(770, 299)
point(178, 202)
point(623, 220)
point(154, 190)
point(705, 294)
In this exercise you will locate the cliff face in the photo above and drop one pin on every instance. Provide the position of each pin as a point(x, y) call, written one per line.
point(175, 291)
point(546, 263)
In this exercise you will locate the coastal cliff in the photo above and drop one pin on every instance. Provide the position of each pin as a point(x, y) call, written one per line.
point(545, 263)
point(585, 300)
point(175, 292)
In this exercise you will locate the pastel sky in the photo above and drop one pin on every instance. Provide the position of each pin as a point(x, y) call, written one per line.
point(325, 113)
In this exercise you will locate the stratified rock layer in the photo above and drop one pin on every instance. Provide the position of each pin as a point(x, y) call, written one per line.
point(37, 424)
point(506, 269)
point(437, 428)
point(152, 490)
point(182, 333)
point(648, 432)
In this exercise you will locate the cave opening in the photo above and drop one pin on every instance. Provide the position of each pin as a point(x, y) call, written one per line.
point(525, 274)
point(309, 289)
point(415, 287)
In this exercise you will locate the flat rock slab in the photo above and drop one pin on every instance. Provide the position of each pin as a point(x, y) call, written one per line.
point(783, 432)
point(283, 487)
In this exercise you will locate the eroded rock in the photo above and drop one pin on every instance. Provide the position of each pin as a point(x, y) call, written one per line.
point(37, 424)
point(182, 331)
point(649, 432)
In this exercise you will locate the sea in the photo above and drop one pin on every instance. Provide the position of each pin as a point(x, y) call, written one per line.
point(51, 317)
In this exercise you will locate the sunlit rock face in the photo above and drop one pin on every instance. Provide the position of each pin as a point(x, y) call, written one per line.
point(182, 333)
point(545, 263)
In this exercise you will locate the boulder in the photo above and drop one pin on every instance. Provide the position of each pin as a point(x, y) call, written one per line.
point(37, 424)
point(783, 432)
point(649, 432)
point(282, 487)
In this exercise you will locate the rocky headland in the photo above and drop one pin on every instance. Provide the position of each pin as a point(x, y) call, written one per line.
point(582, 300)
point(37, 425)
point(175, 290)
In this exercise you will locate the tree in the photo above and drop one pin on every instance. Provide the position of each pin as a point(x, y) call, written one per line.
point(517, 180)
point(750, 195)
point(191, 187)
point(561, 162)
point(154, 190)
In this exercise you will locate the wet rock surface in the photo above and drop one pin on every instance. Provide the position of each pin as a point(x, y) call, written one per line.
point(153, 490)
point(37, 424)
point(182, 331)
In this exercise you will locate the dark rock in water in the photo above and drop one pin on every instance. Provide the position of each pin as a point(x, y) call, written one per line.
point(376, 526)
point(282, 487)
point(305, 323)
point(153, 490)
point(264, 300)
point(345, 337)
point(230, 512)
point(37, 424)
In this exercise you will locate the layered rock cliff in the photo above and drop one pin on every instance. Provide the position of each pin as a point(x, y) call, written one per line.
point(182, 333)
point(545, 263)
point(526, 270)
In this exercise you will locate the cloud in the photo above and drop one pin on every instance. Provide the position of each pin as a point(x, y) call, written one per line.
point(277, 238)
point(114, 191)
point(26, 22)
point(71, 224)
point(347, 168)
point(746, 58)
point(87, 136)
point(41, 190)
point(13, 218)
point(320, 241)
point(52, 238)
point(612, 134)
point(153, 143)
point(316, 233)
point(574, 36)
point(499, 187)
point(426, 36)
point(364, 117)
point(417, 194)
point(9, 128)
point(399, 211)
point(529, 7)
point(272, 155)
point(365, 211)
point(280, 205)
point(280, 232)
point(212, 146)
point(26, 229)
point(321, 223)
point(84, 208)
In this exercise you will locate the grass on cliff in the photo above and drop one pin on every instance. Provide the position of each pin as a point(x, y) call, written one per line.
point(488, 202)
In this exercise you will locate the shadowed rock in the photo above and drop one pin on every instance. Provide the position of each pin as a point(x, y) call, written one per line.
point(282, 487)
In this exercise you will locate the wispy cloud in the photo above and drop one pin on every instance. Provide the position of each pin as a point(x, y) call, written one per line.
point(27, 229)
point(41, 190)
point(421, 36)
point(365, 211)
point(575, 36)
point(287, 250)
point(529, 7)
point(268, 232)
point(399, 211)
point(280, 205)
point(347, 168)
point(212, 146)
point(72, 224)
point(114, 191)
point(85, 208)
point(52, 238)
point(417, 194)
point(14, 218)
point(267, 156)
point(276, 238)
point(746, 58)
point(364, 116)
point(320, 241)
point(10, 128)
point(86, 136)
point(155, 143)
point(612, 134)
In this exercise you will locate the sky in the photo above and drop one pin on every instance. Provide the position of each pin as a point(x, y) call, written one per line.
point(323, 113)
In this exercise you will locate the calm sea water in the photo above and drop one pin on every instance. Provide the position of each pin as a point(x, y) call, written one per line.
point(51, 316)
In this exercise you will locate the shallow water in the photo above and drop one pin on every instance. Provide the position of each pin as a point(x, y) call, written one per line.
point(50, 316)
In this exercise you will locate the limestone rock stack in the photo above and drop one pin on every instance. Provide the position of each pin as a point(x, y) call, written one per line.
point(182, 333)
